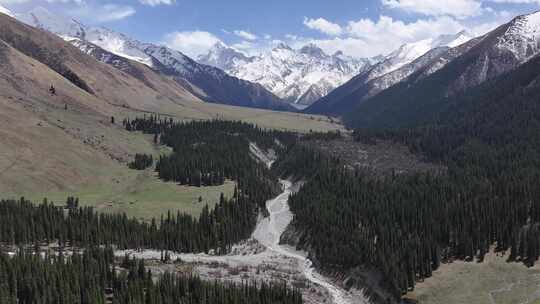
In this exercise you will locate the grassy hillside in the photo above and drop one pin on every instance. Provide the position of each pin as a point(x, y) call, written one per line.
point(494, 281)
point(65, 144)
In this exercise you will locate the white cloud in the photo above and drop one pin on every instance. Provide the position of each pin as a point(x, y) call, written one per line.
point(66, 1)
point(111, 12)
point(245, 46)
point(456, 8)
point(191, 43)
point(387, 28)
point(5, 10)
point(366, 38)
point(291, 37)
point(324, 26)
point(157, 2)
point(516, 1)
point(246, 35)
point(8, 2)
point(102, 13)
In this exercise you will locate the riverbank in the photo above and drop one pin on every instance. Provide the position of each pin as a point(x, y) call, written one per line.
point(260, 258)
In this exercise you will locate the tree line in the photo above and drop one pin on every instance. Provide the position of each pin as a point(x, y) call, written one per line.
point(206, 153)
point(141, 162)
point(219, 148)
point(94, 277)
point(232, 220)
point(406, 225)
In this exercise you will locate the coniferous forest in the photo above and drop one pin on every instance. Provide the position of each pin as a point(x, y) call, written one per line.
point(21, 222)
point(407, 225)
point(204, 153)
point(403, 225)
point(141, 162)
point(94, 277)
point(215, 150)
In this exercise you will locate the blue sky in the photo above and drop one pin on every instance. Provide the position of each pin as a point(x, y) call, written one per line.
point(359, 28)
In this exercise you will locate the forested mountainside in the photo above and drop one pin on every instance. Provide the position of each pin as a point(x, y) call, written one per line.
point(95, 276)
point(406, 225)
point(420, 97)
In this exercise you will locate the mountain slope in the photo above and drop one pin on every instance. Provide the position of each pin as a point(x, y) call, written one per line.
point(419, 97)
point(5, 11)
point(66, 143)
point(394, 68)
point(205, 82)
point(100, 80)
point(298, 76)
point(56, 143)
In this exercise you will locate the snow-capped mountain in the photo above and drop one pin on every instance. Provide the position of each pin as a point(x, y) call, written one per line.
point(206, 82)
point(224, 57)
point(394, 68)
point(299, 76)
point(522, 37)
point(70, 29)
point(454, 72)
point(409, 52)
point(4, 10)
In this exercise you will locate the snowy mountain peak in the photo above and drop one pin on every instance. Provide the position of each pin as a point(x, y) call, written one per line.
point(42, 18)
point(522, 37)
point(282, 46)
point(6, 11)
point(312, 50)
point(222, 56)
point(408, 52)
point(71, 29)
point(299, 76)
point(453, 40)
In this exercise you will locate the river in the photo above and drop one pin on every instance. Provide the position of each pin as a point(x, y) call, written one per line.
point(268, 233)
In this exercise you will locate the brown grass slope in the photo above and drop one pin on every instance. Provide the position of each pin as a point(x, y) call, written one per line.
point(101, 80)
point(45, 147)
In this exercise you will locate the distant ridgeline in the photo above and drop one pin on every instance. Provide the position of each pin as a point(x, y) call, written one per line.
point(405, 226)
point(94, 277)
point(204, 153)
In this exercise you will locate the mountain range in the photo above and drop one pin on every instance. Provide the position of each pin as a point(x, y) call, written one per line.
point(394, 68)
point(426, 91)
point(207, 83)
point(74, 137)
point(361, 91)
point(299, 76)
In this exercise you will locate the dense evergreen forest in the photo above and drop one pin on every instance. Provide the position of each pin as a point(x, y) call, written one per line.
point(489, 138)
point(141, 162)
point(205, 153)
point(94, 277)
point(215, 149)
point(21, 223)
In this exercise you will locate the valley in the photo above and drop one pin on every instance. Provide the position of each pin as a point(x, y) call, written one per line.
point(380, 161)
point(262, 257)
